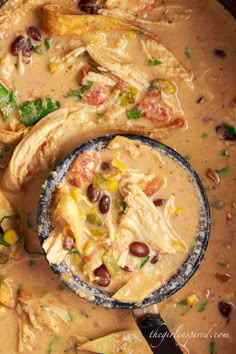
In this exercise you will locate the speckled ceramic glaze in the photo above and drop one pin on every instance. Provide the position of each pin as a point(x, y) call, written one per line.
point(101, 297)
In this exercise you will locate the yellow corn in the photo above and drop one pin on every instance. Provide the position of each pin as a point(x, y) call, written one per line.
point(118, 164)
point(178, 211)
point(167, 86)
point(54, 67)
point(75, 193)
point(117, 236)
point(11, 236)
point(192, 299)
point(130, 35)
point(89, 247)
point(98, 231)
point(75, 259)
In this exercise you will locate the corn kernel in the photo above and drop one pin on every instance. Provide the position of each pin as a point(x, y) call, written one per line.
point(89, 247)
point(120, 165)
point(192, 299)
point(75, 193)
point(167, 86)
point(117, 236)
point(11, 236)
point(54, 67)
point(178, 211)
point(130, 35)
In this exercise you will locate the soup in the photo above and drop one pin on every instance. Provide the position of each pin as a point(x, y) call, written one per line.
point(119, 218)
point(165, 70)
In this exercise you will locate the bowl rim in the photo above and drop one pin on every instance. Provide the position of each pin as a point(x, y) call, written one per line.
point(88, 291)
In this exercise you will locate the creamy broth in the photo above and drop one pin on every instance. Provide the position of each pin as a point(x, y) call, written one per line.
point(192, 38)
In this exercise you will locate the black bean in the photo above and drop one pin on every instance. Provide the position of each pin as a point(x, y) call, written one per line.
point(139, 249)
point(104, 204)
point(34, 33)
point(155, 259)
point(19, 44)
point(103, 275)
point(159, 202)
point(224, 308)
point(105, 166)
point(90, 6)
point(219, 53)
point(93, 194)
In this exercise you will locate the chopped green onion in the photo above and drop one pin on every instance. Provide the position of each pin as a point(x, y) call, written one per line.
point(146, 259)
point(134, 113)
point(47, 44)
point(204, 135)
point(101, 114)
point(73, 251)
point(212, 346)
point(11, 217)
point(188, 53)
point(187, 157)
point(182, 302)
point(202, 306)
point(50, 345)
point(153, 62)
point(79, 93)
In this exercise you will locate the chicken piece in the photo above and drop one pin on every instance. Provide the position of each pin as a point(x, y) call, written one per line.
point(53, 246)
point(35, 312)
point(67, 212)
point(132, 5)
point(35, 151)
point(10, 137)
point(6, 294)
point(148, 224)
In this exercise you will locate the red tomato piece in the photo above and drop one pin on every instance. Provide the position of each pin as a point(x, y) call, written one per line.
point(96, 95)
point(84, 71)
point(153, 186)
point(83, 168)
point(152, 107)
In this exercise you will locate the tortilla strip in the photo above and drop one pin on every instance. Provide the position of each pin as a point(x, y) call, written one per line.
point(62, 21)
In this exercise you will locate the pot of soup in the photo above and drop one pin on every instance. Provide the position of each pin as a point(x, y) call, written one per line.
point(72, 72)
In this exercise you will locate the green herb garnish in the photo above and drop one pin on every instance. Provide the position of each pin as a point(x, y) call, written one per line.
point(72, 349)
point(134, 113)
point(84, 313)
point(8, 102)
point(223, 153)
point(204, 135)
point(50, 345)
point(182, 302)
point(188, 53)
point(79, 93)
point(73, 251)
point(222, 171)
point(212, 346)
point(187, 157)
point(202, 306)
point(146, 259)
point(32, 263)
point(47, 44)
point(229, 129)
point(153, 62)
point(101, 114)
point(32, 111)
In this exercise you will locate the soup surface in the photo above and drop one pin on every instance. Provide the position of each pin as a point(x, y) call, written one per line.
point(165, 69)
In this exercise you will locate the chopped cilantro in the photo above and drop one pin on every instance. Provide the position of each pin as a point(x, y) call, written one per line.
point(153, 62)
point(187, 157)
point(188, 53)
point(222, 171)
point(204, 135)
point(133, 113)
point(101, 114)
point(8, 102)
point(31, 112)
point(202, 306)
point(146, 259)
point(84, 313)
point(182, 302)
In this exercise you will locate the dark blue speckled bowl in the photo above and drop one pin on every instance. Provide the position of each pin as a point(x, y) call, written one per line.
point(101, 297)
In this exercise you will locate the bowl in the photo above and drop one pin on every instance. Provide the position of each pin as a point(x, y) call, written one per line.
point(102, 297)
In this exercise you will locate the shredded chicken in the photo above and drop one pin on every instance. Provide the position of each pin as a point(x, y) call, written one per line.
point(148, 224)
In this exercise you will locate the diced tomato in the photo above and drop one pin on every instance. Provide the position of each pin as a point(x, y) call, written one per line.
point(83, 168)
point(84, 71)
point(153, 108)
point(153, 186)
point(96, 95)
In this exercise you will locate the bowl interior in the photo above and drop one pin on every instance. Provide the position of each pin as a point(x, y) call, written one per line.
point(101, 297)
